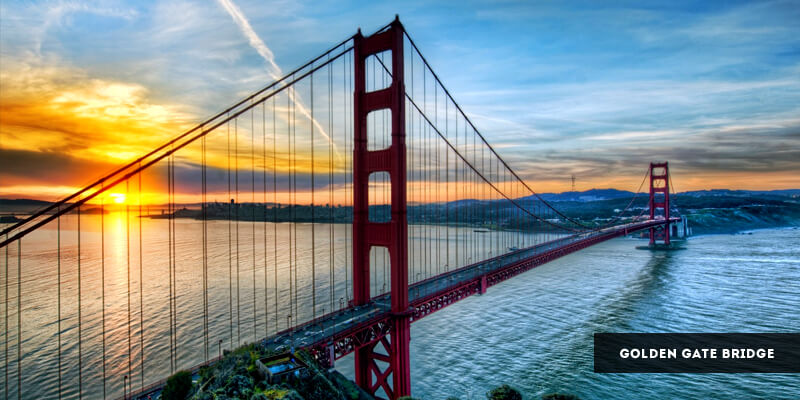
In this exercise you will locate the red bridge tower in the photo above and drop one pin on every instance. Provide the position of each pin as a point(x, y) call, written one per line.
point(659, 199)
point(375, 367)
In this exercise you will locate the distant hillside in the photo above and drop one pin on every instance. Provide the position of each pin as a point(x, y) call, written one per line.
point(21, 205)
point(611, 194)
point(709, 211)
point(742, 193)
point(23, 202)
point(588, 195)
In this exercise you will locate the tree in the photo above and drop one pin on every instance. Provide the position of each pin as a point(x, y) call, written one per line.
point(178, 386)
point(504, 392)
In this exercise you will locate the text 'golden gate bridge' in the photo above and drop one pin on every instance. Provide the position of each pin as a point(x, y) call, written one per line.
point(328, 211)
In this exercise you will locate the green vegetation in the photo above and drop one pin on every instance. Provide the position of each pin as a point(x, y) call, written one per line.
point(178, 386)
point(236, 376)
point(504, 392)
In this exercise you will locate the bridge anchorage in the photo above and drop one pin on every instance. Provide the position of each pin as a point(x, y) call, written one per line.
point(437, 216)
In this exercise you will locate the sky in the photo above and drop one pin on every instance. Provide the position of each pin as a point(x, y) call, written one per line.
point(591, 89)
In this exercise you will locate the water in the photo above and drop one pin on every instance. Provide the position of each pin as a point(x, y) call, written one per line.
point(534, 331)
point(265, 287)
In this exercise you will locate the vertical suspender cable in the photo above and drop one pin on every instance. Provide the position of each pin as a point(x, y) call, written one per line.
point(169, 270)
point(345, 103)
point(103, 286)
point(19, 319)
point(128, 268)
point(434, 165)
point(410, 155)
point(204, 210)
point(428, 194)
point(275, 208)
point(58, 272)
point(313, 222)
point(174, 205)
point(482, 190)
point(447, 181)
point(384, 176)
point(474, 190)
point(436, 199)
point(331, 235)
point(174, 267)
point(291, 203)
point(371, 180)
point(236, 208)
point(5, 334)
point(253, 212)
point(141, 287)
point(386, 134)
point(80, 325)
point(293, 227)
point(294, 210)
point(229, 200)
point(458, 204)
point(264, 210)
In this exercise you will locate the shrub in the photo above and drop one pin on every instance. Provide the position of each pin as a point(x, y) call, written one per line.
point(504, 392)
point(178, 386)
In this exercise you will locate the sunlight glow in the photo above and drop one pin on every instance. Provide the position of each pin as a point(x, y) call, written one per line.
point(118, 198)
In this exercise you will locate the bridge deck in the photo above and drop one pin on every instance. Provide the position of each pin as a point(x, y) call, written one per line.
point(337, 334)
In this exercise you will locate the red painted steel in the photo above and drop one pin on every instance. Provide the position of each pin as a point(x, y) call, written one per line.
point(369, 333)
point(659, 183)
point(392, 235)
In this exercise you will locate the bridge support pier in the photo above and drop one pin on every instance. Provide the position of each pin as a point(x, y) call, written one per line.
point(659, 199)
point(383, 364)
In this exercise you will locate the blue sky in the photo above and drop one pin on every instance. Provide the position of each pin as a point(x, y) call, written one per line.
point(594, 89)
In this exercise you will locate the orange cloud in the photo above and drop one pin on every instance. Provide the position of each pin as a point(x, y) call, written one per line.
point(55, 108)
point(61, 128)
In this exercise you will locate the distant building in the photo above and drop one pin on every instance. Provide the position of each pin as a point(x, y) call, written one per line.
point(282, 368)
point(681, 228)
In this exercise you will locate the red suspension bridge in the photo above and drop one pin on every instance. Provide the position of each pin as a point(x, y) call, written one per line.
point(356, 198)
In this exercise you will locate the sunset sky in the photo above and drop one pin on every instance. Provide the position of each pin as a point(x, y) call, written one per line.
point(559, 88)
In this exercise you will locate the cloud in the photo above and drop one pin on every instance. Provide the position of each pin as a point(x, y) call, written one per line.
point(62, 127)
point(592, 91)
point(275, 71)
point(66, 110)
point(252, 37)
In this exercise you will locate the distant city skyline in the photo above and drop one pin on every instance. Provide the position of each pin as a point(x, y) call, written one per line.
point(559, 89)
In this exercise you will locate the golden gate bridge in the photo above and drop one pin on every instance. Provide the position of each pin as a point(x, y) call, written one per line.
point(357, 198)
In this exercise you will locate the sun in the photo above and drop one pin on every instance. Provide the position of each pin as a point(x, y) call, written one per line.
point(118, 198)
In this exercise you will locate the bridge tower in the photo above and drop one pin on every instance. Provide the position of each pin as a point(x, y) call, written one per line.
point(393, 235)
point(659, 200)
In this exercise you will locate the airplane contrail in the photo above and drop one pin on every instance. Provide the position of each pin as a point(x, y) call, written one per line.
point(265, 53)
